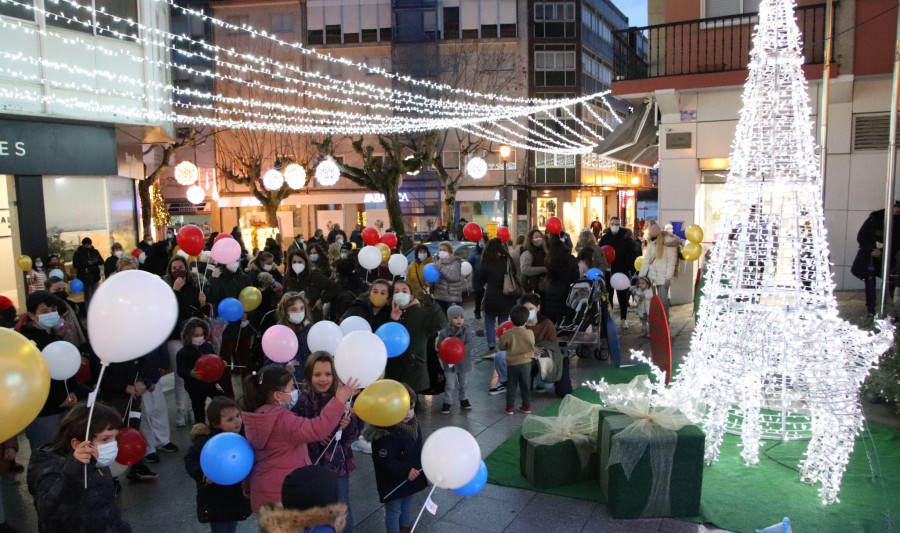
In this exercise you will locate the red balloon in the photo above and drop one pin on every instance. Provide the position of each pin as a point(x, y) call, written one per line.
point(219, 237)
point(503, 233)
point(451, 350)
point(370, 236)
point(190, 239)
point(472, 231)
point(609, 252)
point(390, 239)
point(84, 371)
point(504, 327)
point(210, 367)
point(136, 253)
point(554, 225)
point(131, 446)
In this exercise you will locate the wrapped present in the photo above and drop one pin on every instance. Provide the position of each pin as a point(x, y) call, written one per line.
point(560, 450)
point(651, 460)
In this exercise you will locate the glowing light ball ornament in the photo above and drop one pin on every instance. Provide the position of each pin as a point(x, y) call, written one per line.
point(477, 168)
point(328, 173)
point(186, 173)
point(295, 176)
point(195, 194)
point(273, 180)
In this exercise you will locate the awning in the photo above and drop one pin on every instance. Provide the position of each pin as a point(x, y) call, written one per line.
point(635, 140)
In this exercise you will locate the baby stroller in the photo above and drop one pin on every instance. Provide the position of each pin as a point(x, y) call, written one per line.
point(583, 328)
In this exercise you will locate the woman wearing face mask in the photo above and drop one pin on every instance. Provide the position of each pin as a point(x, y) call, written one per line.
point(228, 281)
point(68, 314)
point(318, 258)
point(415, 275)
point(447, 290)
point(195, 338)
point(37, 276)
point(374, 305)
point(532, 262)
point(264, 262)
point(422, 320)
point(660, 261)
point(109, 266)
point(623, 242)
point(68, 496)
point(334, 249)
point(277, 435)
point(316, 286)
point(291, 312)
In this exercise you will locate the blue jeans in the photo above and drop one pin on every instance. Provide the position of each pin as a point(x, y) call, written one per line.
point(223, 527)
point(500, 366)
point(490, 328)
point(397, 513)
point(344, 497)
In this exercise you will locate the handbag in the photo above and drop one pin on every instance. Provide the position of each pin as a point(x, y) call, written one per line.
point(511, 286)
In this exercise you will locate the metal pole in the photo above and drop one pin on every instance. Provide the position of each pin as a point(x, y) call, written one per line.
point(887, 252)
point(505, 197)
point(826, 90)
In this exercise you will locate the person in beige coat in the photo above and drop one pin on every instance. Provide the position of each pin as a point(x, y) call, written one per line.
point(660, 261)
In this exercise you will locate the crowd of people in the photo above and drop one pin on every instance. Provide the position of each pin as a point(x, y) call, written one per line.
point(297, 414)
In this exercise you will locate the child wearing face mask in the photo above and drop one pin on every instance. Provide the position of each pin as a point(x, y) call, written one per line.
point(314, 283)
point(457, 375)
point(195, 335)
point(291, 312)
point(448, 288)
point(69, 479)
point(220, 506)
point(279, 437)
point(334, 451)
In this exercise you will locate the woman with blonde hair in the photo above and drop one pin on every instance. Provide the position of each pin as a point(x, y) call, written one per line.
point(660, 260)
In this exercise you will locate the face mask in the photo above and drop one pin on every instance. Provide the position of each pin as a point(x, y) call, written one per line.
point(343, 256)
point(169, 236)
point(339, 241)
point(62, 295)
point(299, 241)
point(298, 268)
point(532, 315)
point(401, 299)
point(49, 320)
point(443, 254)
point(267, 268)
point(198, 341)
point(296, 318)
point(378, 300)
point(39, 264)
point(313, 257)
point(294, 396)
point(118, 254)
point(614, 229)
point(232, 267)
point(537, 242)
point(106, 453)
point(422, 257)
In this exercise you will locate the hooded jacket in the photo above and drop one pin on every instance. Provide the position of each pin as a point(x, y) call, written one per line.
point(279, 440)
point(277, 519)
point(215, 503)
point(87, 262)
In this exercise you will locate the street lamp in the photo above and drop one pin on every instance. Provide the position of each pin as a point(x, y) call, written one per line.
point(505, 150)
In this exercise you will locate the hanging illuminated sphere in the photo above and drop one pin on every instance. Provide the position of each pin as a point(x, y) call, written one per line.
point(295, 176)
point(196, 194)
point(477, 168)
point(186, 173)
point(414, 172)
point(273, 180)
point(327, 173)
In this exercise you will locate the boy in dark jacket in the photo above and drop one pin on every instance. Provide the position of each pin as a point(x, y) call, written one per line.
point(397, 455)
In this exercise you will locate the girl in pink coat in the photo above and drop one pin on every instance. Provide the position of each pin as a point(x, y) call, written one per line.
point(277, 435)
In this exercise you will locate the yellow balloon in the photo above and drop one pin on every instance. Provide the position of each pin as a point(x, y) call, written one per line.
point(26, 382)
point(24, 262)
point(175, 250)
point(691, 251)
point(250, 298)
point(638, 263)
point(352, 245)
point(383, 403)
point(385, 251)
point(694, 233)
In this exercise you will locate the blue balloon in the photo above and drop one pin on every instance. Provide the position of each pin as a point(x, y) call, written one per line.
point(594, 274)
point(76, 285)
point(395, 338)
point(231, 309)
point(432, 273)
point(226, 459)
point(478, 482)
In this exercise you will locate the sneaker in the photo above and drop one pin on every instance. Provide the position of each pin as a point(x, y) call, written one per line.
point(168, 447)
point(151, 457)
point(362, 445)
point(623, 325)
point(499, 389)
point(491, 353)
point(509, 410)
point(445, 409)
point(140, 472)
point(179, 419)
point(465, 405)
point(526, 410)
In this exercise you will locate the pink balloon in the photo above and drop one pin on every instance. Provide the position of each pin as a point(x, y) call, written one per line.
point(279, 344)
point(226, 251)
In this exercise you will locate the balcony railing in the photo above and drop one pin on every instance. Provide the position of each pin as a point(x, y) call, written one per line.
point(718, 44)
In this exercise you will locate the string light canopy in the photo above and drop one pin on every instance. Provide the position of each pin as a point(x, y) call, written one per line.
point(476, 168)
point(186, 173)
point(273, 179)
point(328, 173)
point(295, 176)
point(195, 194)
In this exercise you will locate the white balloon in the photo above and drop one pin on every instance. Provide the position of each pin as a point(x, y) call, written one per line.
point(369, 257)
point(355, 323)
point(56, 273)
point(63, 359)
point(466, 268)
point(205, 256)
point(324, 336)
point(620, 281)
point(131, 313)
point(398, 264)
point(183, 254)
point(451, 457)
point(362, 355)
point(226, 251)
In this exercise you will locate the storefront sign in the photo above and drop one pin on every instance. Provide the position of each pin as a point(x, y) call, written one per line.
point(378, 198)
point(49, 148)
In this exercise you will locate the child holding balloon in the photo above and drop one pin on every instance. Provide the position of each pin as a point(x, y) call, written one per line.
point(221, 506)
point(195, 335)
point(456, 374)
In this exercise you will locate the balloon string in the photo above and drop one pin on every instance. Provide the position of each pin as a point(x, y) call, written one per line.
point(326, 449)
point(422, 510)
point(87, 432)
point(405, 481)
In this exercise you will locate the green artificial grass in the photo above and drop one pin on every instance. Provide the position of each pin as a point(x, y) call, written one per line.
point(744, 498)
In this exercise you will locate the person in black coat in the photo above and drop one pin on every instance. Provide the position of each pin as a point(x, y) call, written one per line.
point(195, 335)
point(273, 248)
point(495, 261)
point(867, 265)
point(622, 241)
point(87, 262)
point(356, 237)
point(374, 306)
point(477, 280)
point(112, 262)
point(336, 232)
point(562, 271)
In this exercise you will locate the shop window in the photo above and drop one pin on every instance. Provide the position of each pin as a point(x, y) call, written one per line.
point(315, 37)
point(546, 208)
point(18, 11)
point(282, 23)
point(451, 23)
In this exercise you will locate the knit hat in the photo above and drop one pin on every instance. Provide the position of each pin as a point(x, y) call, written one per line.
point(454, 311)
point(5, 303)
point(308, 487)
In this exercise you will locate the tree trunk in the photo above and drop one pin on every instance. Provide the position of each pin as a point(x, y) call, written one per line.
point(146, 205)
point(271, 217)
point(395, 214)
point(448, 208)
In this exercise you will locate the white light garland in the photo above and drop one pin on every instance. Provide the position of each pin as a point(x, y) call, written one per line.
point(186, 173)
point(195, 194)
point(295, 176)
point(328, 173)
point(476, 168)
point(273, 179)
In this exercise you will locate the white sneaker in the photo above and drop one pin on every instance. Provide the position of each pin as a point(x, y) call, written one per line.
point(624, 325)
point(179, 419)
point(362, 445)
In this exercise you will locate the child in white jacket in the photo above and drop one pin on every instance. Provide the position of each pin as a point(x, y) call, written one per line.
point(642, 295)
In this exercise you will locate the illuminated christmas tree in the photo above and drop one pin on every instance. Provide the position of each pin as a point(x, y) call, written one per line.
point(770, 359)
point(160, 213)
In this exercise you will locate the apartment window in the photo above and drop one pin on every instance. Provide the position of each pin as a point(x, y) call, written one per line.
point(282, 23)
point(17, 11)
point(489, 31)
point(724, 8)
point(239, 22)
point(495, 162)
point(315, 37)
point(554, 19)
point(124, 9)
point(508, 31)
point(369, 36)
point(450, 158)
point(385, 34)
point(554, 68)
point(470, 34)
point(451, 23)
point(333, 34)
